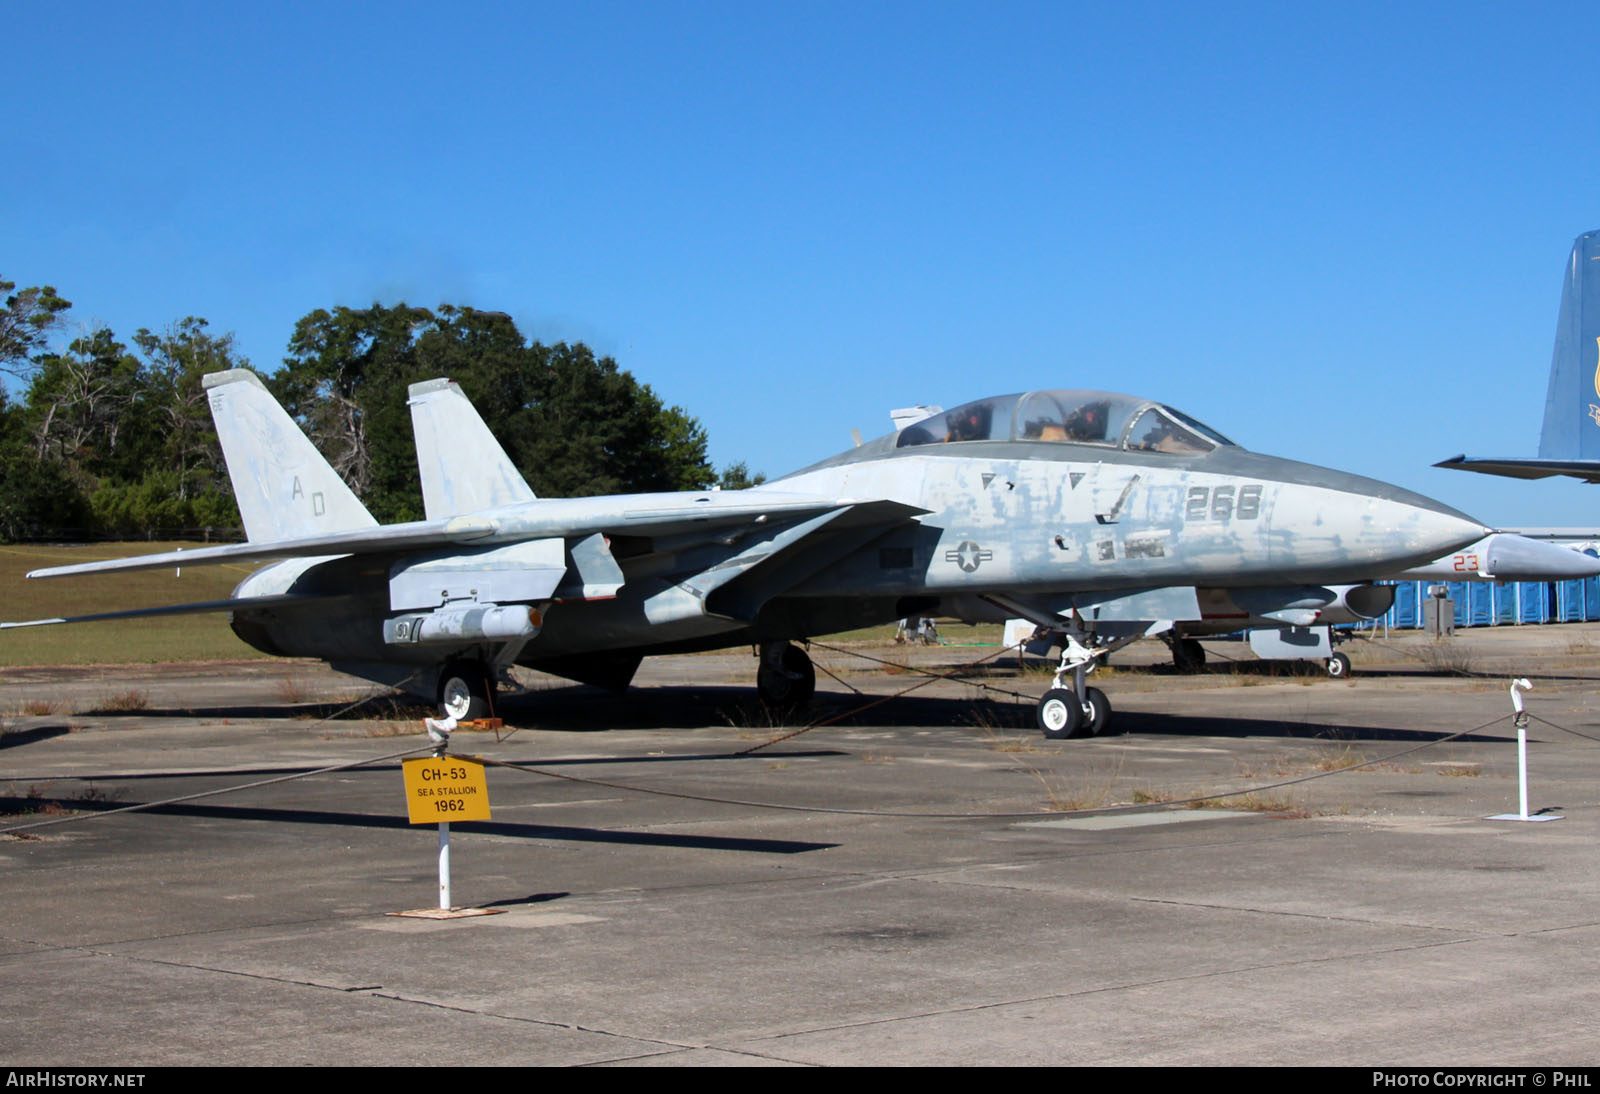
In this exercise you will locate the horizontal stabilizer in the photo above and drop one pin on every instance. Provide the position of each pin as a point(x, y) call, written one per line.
point(1514, 468)
point(689, 516)
point(195, 608)
point(392, 538)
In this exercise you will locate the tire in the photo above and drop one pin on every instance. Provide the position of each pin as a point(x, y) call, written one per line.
point(1060, 714)
point(1097, 719)
point(1339, 666)
point(791, 684)
point(465, 692)
point(1188, 655)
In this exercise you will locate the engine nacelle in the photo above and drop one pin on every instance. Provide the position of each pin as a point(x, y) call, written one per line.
point(1300, 605)
point(1362, 602)
point(481, 622)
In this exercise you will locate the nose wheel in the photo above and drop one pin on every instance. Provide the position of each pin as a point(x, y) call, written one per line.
point(1071, 708)
point(1062, 715)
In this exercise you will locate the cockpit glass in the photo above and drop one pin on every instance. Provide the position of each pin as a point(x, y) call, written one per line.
point(984, 420)
point(1064, 416)
point(1154, 431)
point(1073, 417)
point(1199, 427)
point(1040, 418)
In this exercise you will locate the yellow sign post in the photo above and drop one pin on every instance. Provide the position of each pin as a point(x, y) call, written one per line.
point(440, 789)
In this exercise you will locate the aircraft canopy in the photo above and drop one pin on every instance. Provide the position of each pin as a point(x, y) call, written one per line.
point(1065, 416)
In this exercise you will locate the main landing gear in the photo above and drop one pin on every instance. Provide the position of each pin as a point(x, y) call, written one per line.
point(786, 679)
point(1187, 655)
point(466, 691)
point(1071, 708)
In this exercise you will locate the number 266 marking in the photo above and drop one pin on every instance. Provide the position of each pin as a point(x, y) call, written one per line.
point(1224, 503)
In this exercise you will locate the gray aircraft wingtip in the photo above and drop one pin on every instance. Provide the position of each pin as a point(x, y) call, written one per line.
point(231, 376)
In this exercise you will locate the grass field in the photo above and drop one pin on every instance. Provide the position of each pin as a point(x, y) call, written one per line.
point(200, 637)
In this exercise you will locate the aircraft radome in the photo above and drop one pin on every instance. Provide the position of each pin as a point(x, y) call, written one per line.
point(1062, 507)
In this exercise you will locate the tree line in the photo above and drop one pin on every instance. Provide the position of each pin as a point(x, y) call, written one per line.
point(102, 438)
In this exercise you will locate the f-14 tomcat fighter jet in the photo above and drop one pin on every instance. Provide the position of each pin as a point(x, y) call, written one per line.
point(1050, 505)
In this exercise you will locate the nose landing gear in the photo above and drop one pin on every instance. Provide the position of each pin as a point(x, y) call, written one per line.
point(1071, 708)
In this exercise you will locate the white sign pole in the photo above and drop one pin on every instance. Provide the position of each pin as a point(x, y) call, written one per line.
point(444, 866)
point(439, 733)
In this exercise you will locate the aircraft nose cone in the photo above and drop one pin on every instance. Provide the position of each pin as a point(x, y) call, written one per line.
point(1375, 535)
point(1436, 531)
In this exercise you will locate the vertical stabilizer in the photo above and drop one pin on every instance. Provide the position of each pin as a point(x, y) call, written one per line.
point(1572, 402)
point(463, 467)
point(285, 489)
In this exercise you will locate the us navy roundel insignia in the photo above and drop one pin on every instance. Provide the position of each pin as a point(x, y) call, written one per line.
point(969, 556)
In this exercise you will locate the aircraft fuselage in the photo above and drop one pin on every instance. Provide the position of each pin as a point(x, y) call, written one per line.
point(1000, 517)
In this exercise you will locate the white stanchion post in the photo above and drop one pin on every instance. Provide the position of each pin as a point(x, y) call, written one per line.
point(439, 733)
point(1521, 722)
point(1518, 686)
point(444, 866)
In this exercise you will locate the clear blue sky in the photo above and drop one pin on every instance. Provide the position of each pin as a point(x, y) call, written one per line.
point(1333, 232)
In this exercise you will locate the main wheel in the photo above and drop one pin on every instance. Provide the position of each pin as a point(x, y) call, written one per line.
point(786, 680)
point(1338, 666)
point(1097, 718)
point(465, 692)
point(1188, 655)
point(1060, 714)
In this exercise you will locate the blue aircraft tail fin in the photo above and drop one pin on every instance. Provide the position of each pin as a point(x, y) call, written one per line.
point(285, 489)
point(1569, 444)
point(1572, 402)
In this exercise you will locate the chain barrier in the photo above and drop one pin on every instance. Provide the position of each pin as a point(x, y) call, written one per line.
point(931, 677)
point(141, 806)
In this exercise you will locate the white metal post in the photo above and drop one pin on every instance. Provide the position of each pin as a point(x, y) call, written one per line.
point(444, 864)
point(439, 731)
point(1522, 770)
point(1521, 722)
